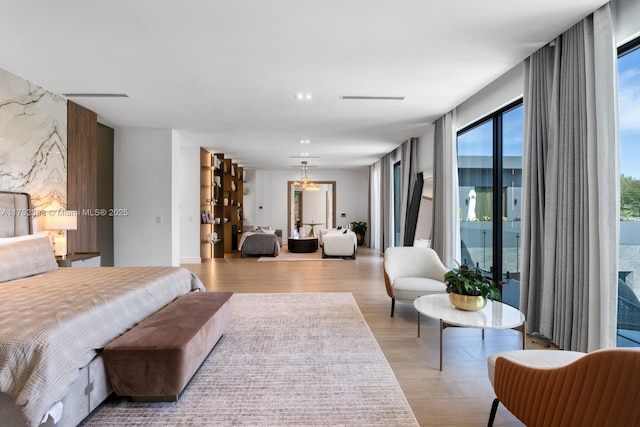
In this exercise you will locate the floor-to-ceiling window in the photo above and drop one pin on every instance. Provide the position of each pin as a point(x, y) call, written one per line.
point(490, 181)
point(629, 251)
point(397, 201)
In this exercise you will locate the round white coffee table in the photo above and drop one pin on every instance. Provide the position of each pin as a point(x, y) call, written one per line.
point(495, 315)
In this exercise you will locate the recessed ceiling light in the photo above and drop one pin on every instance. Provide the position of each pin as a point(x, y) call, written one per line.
point(373, 98)
point(301, 96)
point(305, 141)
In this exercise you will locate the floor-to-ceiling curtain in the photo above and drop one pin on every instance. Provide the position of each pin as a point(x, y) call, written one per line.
point(446, 212)
point(570, 188)
point(375, 205)
point(380, 205)
point(409, 163)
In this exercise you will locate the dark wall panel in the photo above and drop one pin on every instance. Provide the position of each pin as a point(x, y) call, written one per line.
point(82, 167)
point(105, 194)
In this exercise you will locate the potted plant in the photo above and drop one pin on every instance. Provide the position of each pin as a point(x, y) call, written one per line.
point(360, 228)
point(468, 289)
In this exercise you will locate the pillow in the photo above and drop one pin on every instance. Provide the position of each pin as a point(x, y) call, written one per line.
point(26, 258)
point(9, 240)
point(268, 230)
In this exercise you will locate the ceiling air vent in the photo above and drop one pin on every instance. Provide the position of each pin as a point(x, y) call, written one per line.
point(373, 98)
point(96, 95)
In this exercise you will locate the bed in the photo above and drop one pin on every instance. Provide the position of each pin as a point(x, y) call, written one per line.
point(55, 322)
point(260, 242)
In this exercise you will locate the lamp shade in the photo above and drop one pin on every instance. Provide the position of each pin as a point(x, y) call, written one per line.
point(65, 220)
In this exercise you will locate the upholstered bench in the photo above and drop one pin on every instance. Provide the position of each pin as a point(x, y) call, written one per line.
point(156, 359)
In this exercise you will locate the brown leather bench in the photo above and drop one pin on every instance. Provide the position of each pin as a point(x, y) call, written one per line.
point(156, 359)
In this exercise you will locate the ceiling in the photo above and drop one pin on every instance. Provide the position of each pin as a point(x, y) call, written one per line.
point(225, 73)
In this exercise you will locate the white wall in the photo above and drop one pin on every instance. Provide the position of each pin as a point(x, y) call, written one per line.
point(146, 174)
point(271, 195)
point(249, 211)
point(189, 205)
point(315, 208)
point(502, 91)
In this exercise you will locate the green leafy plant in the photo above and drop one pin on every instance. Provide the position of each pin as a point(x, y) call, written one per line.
point(468, 281)
point(359, 227)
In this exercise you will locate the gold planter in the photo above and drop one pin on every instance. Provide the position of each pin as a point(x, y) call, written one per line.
point(467, 302)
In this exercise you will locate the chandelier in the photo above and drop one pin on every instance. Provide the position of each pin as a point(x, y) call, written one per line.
point(305, 183)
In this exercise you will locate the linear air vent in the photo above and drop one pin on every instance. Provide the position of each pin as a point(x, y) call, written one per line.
point(96, 95)
point(374, 98)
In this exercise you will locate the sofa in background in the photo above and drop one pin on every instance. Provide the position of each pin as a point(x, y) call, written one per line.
point(339, 243)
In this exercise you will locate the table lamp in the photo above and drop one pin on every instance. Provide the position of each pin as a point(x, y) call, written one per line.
point(61, 221)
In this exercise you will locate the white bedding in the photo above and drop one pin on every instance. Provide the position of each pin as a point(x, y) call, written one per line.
point(53, 324)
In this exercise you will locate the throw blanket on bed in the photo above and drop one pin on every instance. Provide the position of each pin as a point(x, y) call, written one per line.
point(55, 323)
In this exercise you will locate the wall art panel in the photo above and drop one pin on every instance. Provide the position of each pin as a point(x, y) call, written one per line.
point(33, 141)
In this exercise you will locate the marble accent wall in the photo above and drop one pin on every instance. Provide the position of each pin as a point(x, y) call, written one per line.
point(33, 141)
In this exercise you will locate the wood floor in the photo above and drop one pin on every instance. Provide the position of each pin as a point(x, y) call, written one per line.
point(460, 395)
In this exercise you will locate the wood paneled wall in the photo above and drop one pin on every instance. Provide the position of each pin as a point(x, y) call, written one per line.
point(105, 193)
point(82, 171)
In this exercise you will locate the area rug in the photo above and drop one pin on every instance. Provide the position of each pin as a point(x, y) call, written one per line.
point(285, 255)
point(286, 360)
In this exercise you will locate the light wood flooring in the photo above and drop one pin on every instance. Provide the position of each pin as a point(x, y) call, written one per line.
point(460, 395)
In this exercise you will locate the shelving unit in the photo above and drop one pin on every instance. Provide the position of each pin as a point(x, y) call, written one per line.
point(221, 190)
point(232, 193)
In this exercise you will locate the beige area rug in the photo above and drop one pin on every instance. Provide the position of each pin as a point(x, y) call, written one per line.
point(286, 360)
point(285, 255)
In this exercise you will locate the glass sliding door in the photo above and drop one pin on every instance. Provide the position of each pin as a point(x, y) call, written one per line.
point(512, 136)
point(490, 182)
point(629, 250)
point(475, 177)
point(397, 201)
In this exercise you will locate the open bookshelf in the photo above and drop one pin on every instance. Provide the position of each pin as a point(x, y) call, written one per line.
point(221, 190)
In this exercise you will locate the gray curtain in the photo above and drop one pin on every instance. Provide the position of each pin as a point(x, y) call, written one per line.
point(380, 234)
point(446, 211)
point(570, 188)
point(375, 207)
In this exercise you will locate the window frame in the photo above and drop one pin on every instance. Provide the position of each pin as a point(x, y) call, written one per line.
point(497, 183)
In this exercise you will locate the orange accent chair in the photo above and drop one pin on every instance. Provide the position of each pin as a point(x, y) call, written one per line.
point(601, 388)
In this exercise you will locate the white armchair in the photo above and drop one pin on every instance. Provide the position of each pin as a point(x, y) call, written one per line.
point(342, 243)
point(410, 272)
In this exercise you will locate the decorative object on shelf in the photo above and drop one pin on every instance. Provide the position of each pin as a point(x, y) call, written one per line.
point(360, 228)
point(227, 197)
point(206, 217)
point(61, 221)
point(233, 186)
point(468, 289)
point(305, 182)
